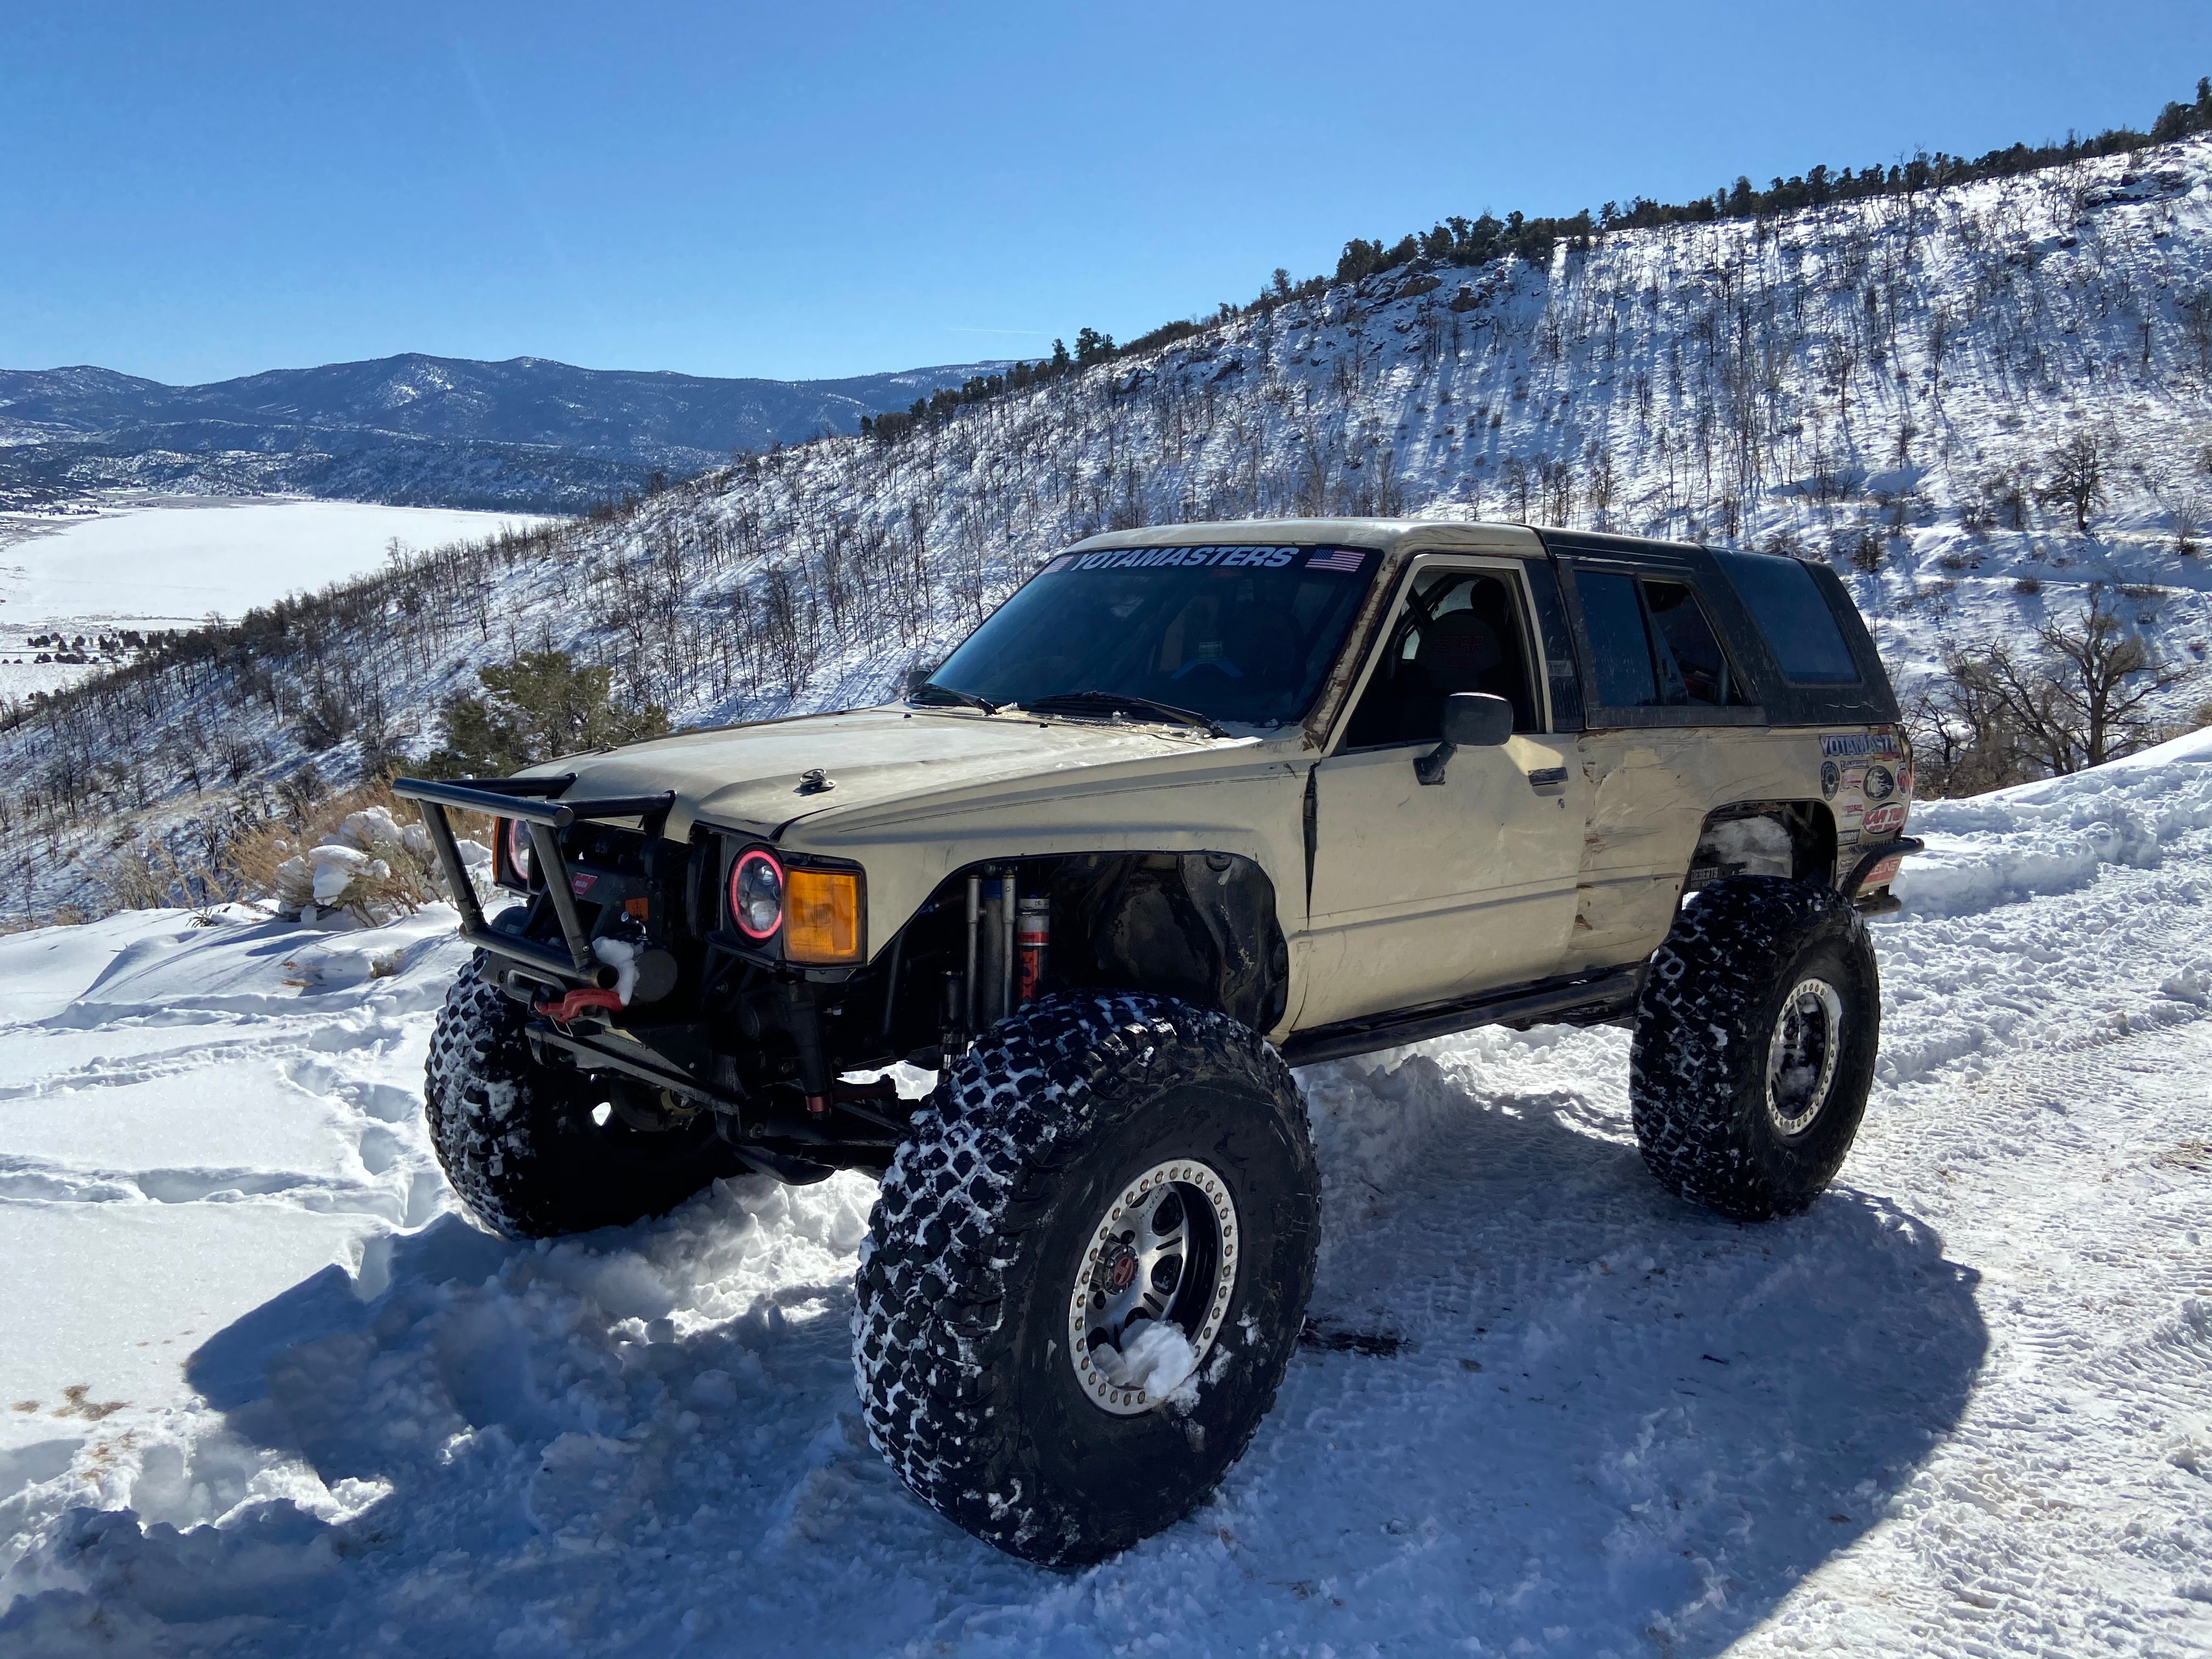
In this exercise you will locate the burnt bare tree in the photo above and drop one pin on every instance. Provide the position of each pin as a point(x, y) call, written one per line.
point(2107, 676)
point(1999, 714)
point(2075, 476)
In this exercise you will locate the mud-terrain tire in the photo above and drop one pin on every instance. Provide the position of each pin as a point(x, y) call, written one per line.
point(1727, 1116)
point(518, 1139)
point(987, 1222)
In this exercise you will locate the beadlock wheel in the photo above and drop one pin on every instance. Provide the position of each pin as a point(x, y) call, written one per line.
point(1127, 1150)
point(1800, 1057)
point(1165, 1252)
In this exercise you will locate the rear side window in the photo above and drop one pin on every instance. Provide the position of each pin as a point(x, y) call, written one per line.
point(1619, 646)
point(1653, 646)
point(1692, 667)
point(1800, 628)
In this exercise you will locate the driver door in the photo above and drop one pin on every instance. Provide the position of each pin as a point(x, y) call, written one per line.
point(1426, 893)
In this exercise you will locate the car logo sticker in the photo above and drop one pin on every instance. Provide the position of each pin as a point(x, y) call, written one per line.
point(1854, 745)
point(1146, 558)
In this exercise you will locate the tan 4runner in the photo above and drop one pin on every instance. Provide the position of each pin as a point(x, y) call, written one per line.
point(1193, 806)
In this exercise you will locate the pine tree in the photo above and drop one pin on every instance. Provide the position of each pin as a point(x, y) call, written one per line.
point(533, 708)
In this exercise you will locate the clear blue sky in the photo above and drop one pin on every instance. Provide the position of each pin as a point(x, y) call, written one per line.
point(198, 191)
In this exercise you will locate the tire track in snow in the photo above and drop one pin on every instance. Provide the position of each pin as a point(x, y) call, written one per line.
point(2066, 1512)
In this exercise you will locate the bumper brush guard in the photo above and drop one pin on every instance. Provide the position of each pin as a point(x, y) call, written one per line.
point(529, 800)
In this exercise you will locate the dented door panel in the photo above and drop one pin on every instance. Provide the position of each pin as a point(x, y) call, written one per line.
point(1651, 789)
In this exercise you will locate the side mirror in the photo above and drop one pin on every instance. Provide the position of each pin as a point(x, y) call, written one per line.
point(1472, 719)
point(1476, 720)
point(913, 679)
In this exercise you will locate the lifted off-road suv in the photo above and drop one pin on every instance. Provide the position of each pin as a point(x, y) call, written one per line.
point(1195, 806)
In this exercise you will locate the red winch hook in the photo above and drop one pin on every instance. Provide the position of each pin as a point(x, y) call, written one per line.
point(561, 1012)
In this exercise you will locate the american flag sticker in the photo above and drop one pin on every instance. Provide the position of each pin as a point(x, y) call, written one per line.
point(1346, 559)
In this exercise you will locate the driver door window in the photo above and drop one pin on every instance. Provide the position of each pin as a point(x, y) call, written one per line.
point(1455, 630)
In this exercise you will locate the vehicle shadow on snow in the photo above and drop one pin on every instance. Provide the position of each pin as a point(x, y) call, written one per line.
point(1610, 1420)
point(1594, 1418)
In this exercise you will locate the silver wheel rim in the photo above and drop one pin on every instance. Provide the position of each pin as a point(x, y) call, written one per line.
point(1801, 1057)
point(1166, 1251)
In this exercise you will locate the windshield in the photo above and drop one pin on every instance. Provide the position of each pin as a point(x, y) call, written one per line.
point(1239, 634)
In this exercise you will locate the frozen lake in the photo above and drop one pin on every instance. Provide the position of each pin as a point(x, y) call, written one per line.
point(166, 561)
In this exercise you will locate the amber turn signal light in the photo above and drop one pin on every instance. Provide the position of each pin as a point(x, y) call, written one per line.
point(822, 916)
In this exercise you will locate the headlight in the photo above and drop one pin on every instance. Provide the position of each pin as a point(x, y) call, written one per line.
point(756, 894)
point(825, 916)
point(512, 839)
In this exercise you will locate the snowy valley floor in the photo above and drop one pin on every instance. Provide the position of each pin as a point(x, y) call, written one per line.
point(120, 559)
point(262, 1392)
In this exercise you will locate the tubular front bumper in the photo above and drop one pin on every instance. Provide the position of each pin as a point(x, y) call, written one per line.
point(530, 801)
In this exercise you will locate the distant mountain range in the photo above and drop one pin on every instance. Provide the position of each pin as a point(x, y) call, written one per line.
point(525, 433)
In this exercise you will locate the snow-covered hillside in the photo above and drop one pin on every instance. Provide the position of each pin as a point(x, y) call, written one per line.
point(1887, 383)
point(267, 1393)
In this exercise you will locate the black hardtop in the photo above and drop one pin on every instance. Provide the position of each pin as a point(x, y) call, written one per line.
point(1868, 700)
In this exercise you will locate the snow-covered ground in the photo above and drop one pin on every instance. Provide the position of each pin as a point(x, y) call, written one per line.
point(146, 562)
point(263, 1391)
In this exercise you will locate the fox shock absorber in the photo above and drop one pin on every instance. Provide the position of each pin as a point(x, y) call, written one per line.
point(803, 1019)
point(1032, 944)
point(953, 1026)
point(1004, 917)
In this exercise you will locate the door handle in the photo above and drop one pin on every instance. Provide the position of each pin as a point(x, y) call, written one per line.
point(1548, 777)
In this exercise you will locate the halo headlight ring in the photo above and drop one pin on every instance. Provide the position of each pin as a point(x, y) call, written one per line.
point(756, 894)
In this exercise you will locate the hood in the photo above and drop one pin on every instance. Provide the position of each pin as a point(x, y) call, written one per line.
point(753, 776)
